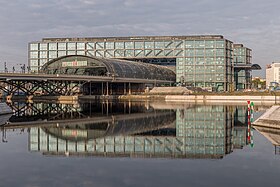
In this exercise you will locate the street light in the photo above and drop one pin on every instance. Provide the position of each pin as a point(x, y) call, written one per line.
point(5, 67)
point(22, 67)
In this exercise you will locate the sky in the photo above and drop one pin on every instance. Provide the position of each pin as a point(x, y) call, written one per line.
point(254, 23)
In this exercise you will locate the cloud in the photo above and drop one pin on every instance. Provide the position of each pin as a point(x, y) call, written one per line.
point(251, 22)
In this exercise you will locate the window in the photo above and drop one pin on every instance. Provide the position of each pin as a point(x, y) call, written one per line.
point(61, 46)
point(139, 45)
point(52, 54)
point(149, 45)
point(34, 54)
point(52, 46)
point(199, 52)
point(81, 46)
point(71, 46)
point(220, 52)
point(119, 45)
point(33, 62)
point(189, 44)
point(209, 44)
point(129, 53)
point(71, 52)
point(159, 45)
point(99, 45)
point(189, 52)
point(200, 44)
point(220, 44)
point(34, 47)
point(80, 52)
point(43, 46)
point(43, 54)
point(109, 45)
point(90, 46)
point(61, 53)
point(129, 45)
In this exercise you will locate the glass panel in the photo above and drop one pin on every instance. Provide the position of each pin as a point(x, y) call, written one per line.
point(129, 53)
point(52, 46)
point(209, 44)
point(52, 54)
point(199, 52)
point(34, 54)
point(43, 54)
point(71, 46)
point(43, 46)
point(119, 53)
point(71, 52)
point(119, 45)
point(178, 44)
point(80, 52)
point(189, 44)
point(129, 45)
point(81, 46)
point(220, 52)
point(99, 45)
point(159, 45)
point(220, 44)
point(34, 46)
point(90, 46)
point(189, 52)
point(109, 45)
point(61, 53)
point(149, 45)
point(200, 44)
point(61, 46)
point(168, 44)
point(139, 45)
point(34, 62)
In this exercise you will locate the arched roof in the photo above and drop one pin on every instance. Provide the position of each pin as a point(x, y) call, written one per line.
point(86, 65)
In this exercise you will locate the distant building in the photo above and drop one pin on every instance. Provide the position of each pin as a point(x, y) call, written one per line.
point(206, 61)
point(272, 74)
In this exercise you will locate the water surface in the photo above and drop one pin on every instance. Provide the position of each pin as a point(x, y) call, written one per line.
point(135, 144)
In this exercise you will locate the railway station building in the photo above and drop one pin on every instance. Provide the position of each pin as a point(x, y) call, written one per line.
point(207, 61)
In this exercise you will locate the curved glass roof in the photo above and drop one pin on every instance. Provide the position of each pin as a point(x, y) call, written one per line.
point(94, 66)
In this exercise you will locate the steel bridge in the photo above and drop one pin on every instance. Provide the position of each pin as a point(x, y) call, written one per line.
point(63, 84)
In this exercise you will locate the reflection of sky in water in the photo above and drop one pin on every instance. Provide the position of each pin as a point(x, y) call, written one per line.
point(256, 166)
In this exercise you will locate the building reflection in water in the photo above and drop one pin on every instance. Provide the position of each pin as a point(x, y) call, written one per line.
point(130, 129)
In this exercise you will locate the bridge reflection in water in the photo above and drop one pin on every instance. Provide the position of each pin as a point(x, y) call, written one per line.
point(136, 130)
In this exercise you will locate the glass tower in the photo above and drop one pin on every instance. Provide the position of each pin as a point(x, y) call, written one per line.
point(242, 56)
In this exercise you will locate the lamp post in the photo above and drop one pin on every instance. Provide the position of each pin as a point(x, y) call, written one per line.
point(5, 67)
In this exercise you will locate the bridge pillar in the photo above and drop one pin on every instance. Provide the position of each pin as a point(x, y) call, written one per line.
point(102, 89)
point(107, 88)
point(124, 88)
point(89, 88)
point(129, 88)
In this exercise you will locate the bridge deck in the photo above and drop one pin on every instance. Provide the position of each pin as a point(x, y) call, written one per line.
point(59, 77)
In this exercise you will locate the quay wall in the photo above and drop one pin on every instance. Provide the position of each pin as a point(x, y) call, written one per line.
point(223, 98)
point(211, 99)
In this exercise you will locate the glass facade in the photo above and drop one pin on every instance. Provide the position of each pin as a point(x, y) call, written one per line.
point(242, 77)
point(201, 61)
point(200, 132)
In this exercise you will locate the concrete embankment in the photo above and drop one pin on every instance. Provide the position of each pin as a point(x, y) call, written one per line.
point(223, 98)
point(210, 99)
point(270, 119)
point(30, 99)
